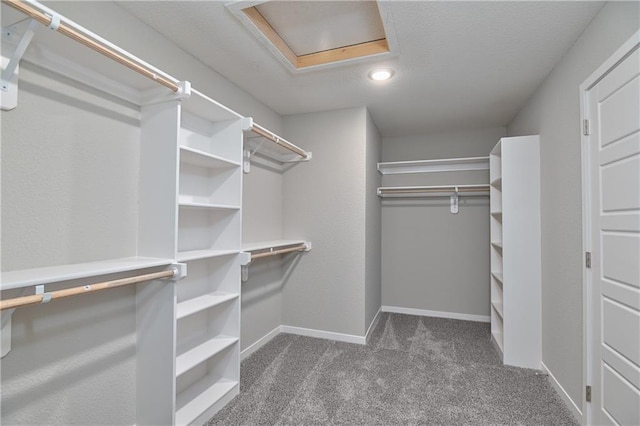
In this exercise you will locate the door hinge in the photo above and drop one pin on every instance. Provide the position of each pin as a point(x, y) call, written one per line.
point(586, 130)
point(588, 393)
point(587, 259)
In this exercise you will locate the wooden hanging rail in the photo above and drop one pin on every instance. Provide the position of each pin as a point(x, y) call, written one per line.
point(73, 291)
point(272, 252)
point(259, 130)
point(92, 41)
point(437, 191)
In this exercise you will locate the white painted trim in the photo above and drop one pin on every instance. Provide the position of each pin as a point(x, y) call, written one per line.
point(372, 325)
point(573, 407)
point(260, 342)
point(321, 334)
point(625, 50)
point(436, 314)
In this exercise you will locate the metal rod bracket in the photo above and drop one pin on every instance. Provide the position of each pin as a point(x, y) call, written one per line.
point(179, 271)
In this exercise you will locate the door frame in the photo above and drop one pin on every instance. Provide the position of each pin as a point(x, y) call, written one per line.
point(620, 55)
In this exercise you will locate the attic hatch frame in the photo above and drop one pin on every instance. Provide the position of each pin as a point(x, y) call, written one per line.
point(248, 14)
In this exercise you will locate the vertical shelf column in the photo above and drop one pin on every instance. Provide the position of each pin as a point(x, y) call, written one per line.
point(516, 315)
point(155, 301)
point(207, 324)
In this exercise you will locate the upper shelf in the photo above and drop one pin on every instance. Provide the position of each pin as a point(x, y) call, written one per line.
point(52, 274)
point(430, 166)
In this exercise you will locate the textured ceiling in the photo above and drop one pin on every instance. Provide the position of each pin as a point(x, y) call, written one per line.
point(460, 64)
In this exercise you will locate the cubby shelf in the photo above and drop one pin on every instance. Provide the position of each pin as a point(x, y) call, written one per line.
point(497, 276)
point(497, 216)
point(497, 183)
point(196, 399)
point(200, 158)
point(497, 245)
point(497, 306)
point(52, 274)
point(202, 352)
point(186, 256)
point(200, 303)
point(210, 206)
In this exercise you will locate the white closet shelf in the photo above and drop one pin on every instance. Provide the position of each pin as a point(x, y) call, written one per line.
point(204, 159)
point(497, 183)
point(200, 303)
point(498, 276)
point(188, 202)
point(498, 338)
point(185, 256)
point(430, 166)
point(497, 215)
point(204, 107)
point(497, 245)
point(497, 306)
point(196, 399)
point(203, 352)
point(52, 274)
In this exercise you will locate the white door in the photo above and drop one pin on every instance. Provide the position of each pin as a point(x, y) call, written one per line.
point(612, 106)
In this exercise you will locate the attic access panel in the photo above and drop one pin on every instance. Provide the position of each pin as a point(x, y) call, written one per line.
point(308, 34)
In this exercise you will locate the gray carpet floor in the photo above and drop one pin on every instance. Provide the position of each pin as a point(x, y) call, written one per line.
point(415, 370)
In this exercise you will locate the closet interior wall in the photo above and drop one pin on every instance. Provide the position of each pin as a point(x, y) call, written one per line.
point(326, 201)
point(433, 261)
point(554, 113)
point(262, 202)
point(81, 147)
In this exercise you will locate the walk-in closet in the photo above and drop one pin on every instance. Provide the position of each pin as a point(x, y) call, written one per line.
point(320, 212)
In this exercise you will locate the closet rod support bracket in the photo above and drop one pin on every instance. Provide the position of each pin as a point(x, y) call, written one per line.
point(179, 271)
point(9, 77)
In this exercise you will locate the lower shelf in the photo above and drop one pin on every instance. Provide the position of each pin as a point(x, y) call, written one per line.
point(203, 352)
point(497, 306)
point(198, 398)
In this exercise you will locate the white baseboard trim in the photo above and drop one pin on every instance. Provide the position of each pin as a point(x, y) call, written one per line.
point(260, 342)
point(575, 410)
point(372, 325)
point(436, 314)
point(349, 338)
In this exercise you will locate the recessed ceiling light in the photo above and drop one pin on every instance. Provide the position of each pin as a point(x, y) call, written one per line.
point(381, 74)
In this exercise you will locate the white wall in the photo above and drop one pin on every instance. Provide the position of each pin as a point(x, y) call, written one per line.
point(262, 221)
point(325, 202)
point(554, 113)
point(431, 259)
point(69, 193)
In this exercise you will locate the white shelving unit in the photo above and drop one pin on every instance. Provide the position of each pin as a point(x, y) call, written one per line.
point(189, 210)
point(207, 365)
point(515, 250)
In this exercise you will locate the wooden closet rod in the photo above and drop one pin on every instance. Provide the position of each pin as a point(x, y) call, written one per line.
point(301, 247)
point(73, 291)
point(67, 30)
point(278, 140)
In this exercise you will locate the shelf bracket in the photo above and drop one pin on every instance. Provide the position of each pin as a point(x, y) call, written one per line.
point(454, 202)
point(9, 77)
point(5, 342)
